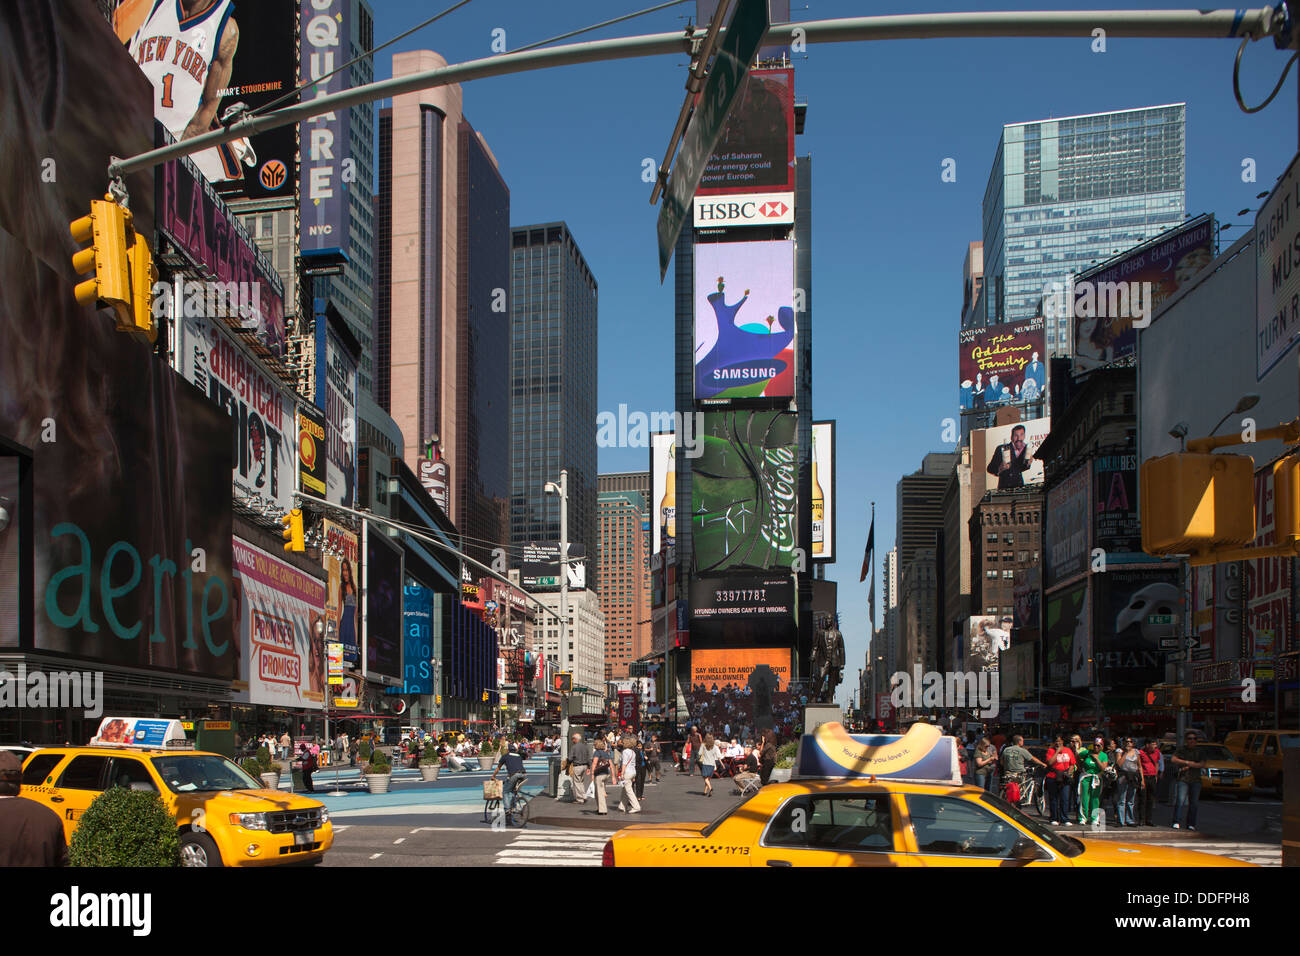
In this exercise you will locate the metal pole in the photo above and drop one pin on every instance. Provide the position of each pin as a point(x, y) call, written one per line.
point(1256, 23)
point(564, 607)
point(1183, 651)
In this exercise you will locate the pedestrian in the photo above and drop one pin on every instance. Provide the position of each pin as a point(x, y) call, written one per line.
point(31, 834)
point(602, 767)
point(1187, 789)
point(640, 768)
point(1130, 783)
point(308, 768)
point(1060, 761)
point(766, 757)
point(579, 762)
point(986, 762)
point(1014, 757)
point(652, 758)
point(626, 777)
point(1153, 762)
point(1072, 792)
point(695, 743)
point(710, 755)
point(353, 747)
point(1091, 764)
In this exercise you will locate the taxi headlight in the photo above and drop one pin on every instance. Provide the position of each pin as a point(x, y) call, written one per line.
point(249, 821)
point(1205, 771)
point(324, 816)
point(1247, 773)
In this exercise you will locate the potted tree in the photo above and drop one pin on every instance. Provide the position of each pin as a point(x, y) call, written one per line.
point(269, 770)
point(430, 761)
point(785, 762)
point(133, 828)
point(378, 772)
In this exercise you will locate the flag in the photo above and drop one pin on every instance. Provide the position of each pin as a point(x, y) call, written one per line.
point(871, 547)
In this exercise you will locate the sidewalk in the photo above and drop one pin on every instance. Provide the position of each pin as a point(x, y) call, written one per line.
point(676, 798)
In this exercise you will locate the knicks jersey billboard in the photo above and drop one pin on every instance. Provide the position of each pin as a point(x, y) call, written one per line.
point(250, 51)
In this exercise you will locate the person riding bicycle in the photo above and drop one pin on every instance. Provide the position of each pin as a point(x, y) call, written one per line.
point(1014, 756)
point(515, 777)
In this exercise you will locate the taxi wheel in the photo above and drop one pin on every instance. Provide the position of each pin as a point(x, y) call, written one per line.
point(1243, 796)
point(198, 849)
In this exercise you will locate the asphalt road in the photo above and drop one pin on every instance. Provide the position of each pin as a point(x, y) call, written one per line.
point(476, 844)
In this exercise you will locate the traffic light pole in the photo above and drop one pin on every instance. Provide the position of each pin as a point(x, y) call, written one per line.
point(1183, 652)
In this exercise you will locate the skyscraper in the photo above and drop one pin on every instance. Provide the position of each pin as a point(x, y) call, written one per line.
point(441, 317)
point(1065, 193)
point(553, 384)
point(623, 579)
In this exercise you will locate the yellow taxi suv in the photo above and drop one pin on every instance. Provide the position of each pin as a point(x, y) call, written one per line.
point(878, 800)
point(1263, 751)
point(1224, 773)
point(225, 817)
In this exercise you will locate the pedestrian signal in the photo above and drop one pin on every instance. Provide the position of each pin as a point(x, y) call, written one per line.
point(1197, 504)
point(564, 683)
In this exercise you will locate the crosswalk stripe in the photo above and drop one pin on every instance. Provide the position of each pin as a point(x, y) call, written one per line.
point(558, 854)
point(538, 861)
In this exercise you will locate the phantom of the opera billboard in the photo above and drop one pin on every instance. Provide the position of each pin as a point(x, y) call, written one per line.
point(744, 320)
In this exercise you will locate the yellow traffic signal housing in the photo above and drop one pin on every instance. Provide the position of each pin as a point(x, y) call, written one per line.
point(1197, 504)
point(143, 276)
point(107, 230)
point(485, 696)
point(293, 535)
point(1286, 501)
point(564, 683)
point(1180, 696)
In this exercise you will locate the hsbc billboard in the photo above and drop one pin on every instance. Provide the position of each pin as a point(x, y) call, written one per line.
point(753, 209)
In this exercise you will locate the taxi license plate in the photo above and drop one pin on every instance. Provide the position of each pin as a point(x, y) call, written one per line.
point(304, 838)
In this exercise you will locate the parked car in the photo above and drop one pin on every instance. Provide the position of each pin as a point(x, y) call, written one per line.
point(1263, 752)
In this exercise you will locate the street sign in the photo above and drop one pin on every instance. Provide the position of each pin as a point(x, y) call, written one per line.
point(730, 66)
point(1169, 643)
point(1276, 287)
point(1191, 642)
point(1160, 619)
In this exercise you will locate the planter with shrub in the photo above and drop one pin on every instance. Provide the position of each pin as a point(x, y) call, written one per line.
point(378, 771)
point(430, 762)
point(126, 828)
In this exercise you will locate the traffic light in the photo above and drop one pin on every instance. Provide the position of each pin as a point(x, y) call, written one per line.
point(293, 536)
point(485, 696)
point(108, 233)
point(1157, 697)
point(143, 276)
point(564, 683)
point(1286, 501)
point(1197, 504)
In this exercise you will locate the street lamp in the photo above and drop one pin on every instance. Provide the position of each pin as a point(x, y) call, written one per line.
point(562, 489)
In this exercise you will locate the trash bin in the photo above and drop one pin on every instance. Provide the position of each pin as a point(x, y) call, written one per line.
point(552, 775)
point(296, 769)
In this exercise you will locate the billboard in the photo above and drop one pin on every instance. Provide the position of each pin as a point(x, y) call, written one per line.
point(1016, 676)
point(209, 235)
point(663, 491)
point(417, 637)
point(127, 458)
point(1277, 281)
point(262, 424)
point(755, 152)
point(340, 562)
point(743, 689)
point(1127, 647)
point(741, 668)
point(326, 148)
point(9, 556)
point(629, 711)
point(1268, 581)
point(541, 566)
point(743, 491)
point(823, 491)
point(381, 629)
point(278, 607)
point(1117, 527)
point(1005, 457)
point(744, 348)
point(1066, 643)
point(1027, 594)
point(1103, 298)
point(1002, 365)
point(251, 51)
point(1065, 531)
point(987, 636)
point(336, 395)
point(311, 450)
point(739, 597)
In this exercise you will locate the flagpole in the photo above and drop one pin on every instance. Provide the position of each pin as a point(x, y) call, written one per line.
point(871, 609)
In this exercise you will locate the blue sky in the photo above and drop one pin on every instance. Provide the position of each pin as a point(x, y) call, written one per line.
point(889, 236)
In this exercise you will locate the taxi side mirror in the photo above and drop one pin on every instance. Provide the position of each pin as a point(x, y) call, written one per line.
point(1026, 850)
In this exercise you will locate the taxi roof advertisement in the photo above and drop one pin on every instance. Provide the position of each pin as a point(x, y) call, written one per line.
point(923, 753)
point(278, 607)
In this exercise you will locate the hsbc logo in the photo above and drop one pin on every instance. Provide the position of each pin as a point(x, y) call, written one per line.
point(752, 209)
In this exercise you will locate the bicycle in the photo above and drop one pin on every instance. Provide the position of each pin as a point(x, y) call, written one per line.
point(1033, 792)
point(518, 814)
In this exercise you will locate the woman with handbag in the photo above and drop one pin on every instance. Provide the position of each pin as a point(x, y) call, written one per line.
point(1130, 782)
point(601, 768)
point(1060, 762)
point(986, 761)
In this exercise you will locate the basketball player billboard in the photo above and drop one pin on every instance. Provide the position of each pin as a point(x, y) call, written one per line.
point(204, 57)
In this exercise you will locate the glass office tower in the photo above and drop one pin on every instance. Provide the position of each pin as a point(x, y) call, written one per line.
point(553, 386)
point(1066, 193)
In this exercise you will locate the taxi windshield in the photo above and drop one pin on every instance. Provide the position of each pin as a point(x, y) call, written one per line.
point(195, 773)
point(1214, 752)
point(1066, 846)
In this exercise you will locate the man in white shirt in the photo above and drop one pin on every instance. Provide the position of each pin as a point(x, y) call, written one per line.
point(627, 777)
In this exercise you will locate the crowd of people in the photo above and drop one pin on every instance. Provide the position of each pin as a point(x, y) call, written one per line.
point(1087, 780)
point(730, 710)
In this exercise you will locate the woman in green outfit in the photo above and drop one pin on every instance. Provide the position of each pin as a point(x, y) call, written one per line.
point(1091, 763)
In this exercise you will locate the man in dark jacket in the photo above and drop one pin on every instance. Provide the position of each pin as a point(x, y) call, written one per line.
point(31, 834)
point(1010, 460)
point(767, 757)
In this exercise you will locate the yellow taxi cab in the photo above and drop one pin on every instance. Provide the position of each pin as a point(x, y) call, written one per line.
point(226, 818)
point(1224, 773)
point(1263, 752)
point(878, 801)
